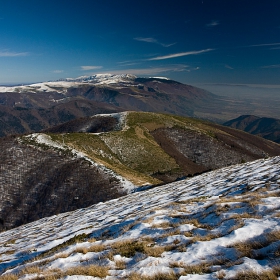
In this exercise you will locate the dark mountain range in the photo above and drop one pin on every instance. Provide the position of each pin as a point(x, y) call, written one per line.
point(20, 120)
point(93, 159)
point(31, 108)
point(268, 128)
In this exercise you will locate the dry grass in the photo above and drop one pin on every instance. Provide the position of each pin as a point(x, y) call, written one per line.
point(273, 236)
point(192, 269)
point(207, 237)
point(252, 275)
point(91, 240)
point(92, 270)
point(220, 274)
point(120, 264)
point(277, 215)
point(197, 268)
point(171, 233)
point(245, 249)
point(276, 270)
point(9, 277)
point(162, 225)
point(158, 276)
point(188, 234)
point(31, 270)
point(244, 216)
point(93, 248)
point(155, 251)
point(128, 248)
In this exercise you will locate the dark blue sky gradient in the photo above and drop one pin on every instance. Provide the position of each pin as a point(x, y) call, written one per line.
point(193, 41)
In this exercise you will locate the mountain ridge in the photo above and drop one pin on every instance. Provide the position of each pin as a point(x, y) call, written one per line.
point(111, 155)
point(268, 128)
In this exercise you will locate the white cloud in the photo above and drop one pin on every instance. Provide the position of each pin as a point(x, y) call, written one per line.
point(213, 23)
point(265, 45)
point(89, 67)
point(152, 71)
point(58, 71)
point(180, 54)
point(12, 54)
point(229, 67)
point(153, 40)
point(271, 66)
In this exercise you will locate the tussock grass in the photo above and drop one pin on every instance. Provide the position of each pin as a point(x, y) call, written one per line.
point(192, 269)
point(128, 248)
point(244, 216)
point(252, 275)
point(92, 270)
point(162, 225)
point(76, 239)
point(220, 274)
point(30, 270)
point(276, 270)
point(9, 277)
point(93, 248)
point(120, 264)
point(158, 276)
point(246, 248)
point(207, 237)
point(155, 251)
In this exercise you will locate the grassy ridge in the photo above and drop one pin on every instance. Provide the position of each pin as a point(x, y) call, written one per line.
point(133, 153)
point(136, 155)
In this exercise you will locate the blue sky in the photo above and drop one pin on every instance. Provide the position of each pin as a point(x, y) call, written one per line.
point(192, 41)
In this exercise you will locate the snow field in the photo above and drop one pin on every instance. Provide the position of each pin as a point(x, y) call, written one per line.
point(218, 225)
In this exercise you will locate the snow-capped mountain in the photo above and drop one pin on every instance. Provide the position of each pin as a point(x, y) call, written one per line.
point(220, 225)
point(31, 108)
point(62, 85)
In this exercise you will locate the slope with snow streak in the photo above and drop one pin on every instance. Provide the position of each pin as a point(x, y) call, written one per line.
point(41, 138)
point(192, 229)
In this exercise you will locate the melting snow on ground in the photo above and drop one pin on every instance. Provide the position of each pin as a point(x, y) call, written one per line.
point(220, 225)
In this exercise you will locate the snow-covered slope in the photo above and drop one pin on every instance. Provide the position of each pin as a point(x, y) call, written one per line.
point(62, 85)
point(220, 225)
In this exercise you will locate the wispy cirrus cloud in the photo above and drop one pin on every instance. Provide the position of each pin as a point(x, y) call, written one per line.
point(265, 45)
point(153, 40)
point(90, 67)
point(152, 70)
point(213, 23)
point(12, 54)
point(273, 66)
point(174, 55)
point(228, 67)
point(58, 71)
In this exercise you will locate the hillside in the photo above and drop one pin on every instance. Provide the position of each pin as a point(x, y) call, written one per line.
point(34, 107)
point(40, 180)
point(153, 148)
point(220, 225)
point(268, 128)
point(18, 120)
point(98, 158)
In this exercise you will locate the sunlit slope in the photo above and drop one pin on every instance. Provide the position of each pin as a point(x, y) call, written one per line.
point(150, 148)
